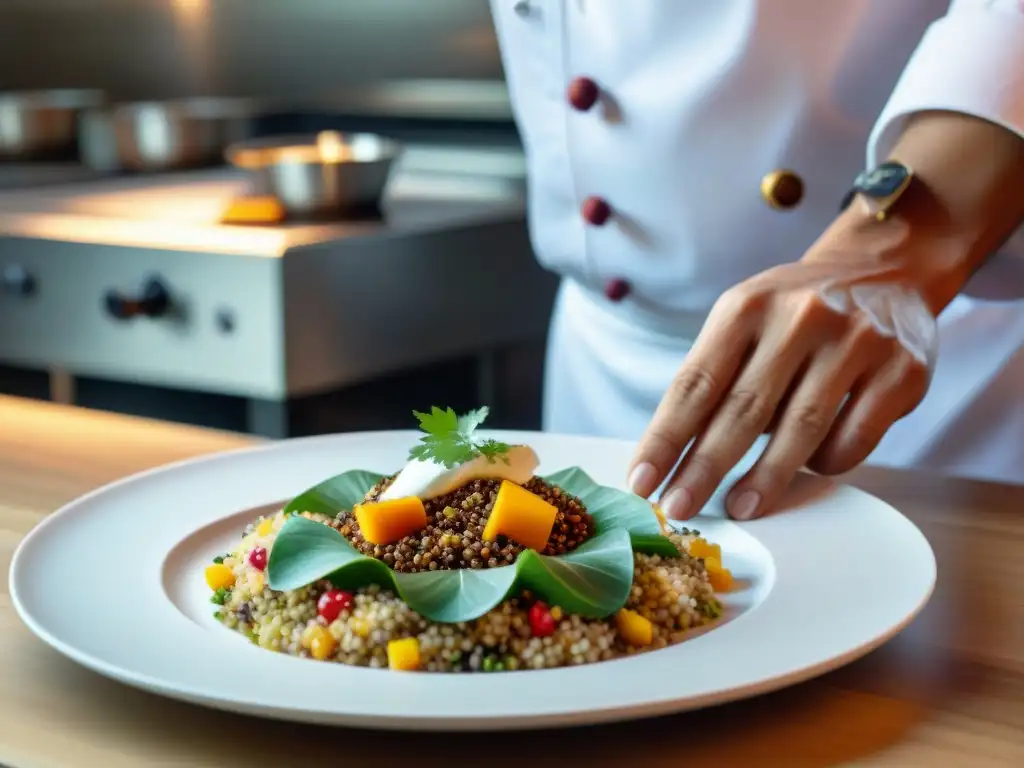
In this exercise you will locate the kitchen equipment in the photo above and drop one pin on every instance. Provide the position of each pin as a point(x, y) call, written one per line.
point(320, 176)
point(337, 53)
point(161, 136)
point(37, 125)
point(135, 288)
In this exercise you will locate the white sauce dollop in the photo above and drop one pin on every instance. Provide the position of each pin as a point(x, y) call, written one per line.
point(428, 479)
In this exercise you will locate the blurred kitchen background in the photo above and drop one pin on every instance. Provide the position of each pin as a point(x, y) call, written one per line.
point(283, 217)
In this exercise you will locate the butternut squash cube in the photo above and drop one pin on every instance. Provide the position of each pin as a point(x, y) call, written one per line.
point(719, 576)
point(704, 549)
point(634, 628)
point(404, 655)
point(522, 516)
point(219, 576)
point(385, 522)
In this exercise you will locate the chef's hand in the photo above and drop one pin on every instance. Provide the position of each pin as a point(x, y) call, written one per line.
point(782, 352)
point(827, 353)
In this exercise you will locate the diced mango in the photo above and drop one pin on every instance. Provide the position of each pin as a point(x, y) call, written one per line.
point(719, 576)
point(522, 516)
point(219, 576)
point(321, 643)
point(634, 628)
point(265, 527)
point(256, 582)
point(404, 654)
point(704, 549)
point(385, 522)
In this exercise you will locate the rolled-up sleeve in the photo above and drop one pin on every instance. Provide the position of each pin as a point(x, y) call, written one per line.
point(970, 61)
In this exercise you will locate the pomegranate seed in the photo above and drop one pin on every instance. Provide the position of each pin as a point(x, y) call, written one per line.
point(258, 558)
point(333, 602)
point(542, 623)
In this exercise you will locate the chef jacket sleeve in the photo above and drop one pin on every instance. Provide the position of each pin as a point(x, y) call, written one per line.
point(970, 61)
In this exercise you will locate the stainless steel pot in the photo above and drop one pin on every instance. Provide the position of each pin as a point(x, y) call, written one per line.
point(325, 175)
point(163, 136)
point(37, 125)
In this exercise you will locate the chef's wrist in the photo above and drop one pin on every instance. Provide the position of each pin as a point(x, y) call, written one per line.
point(962, 203)
point(914, 245)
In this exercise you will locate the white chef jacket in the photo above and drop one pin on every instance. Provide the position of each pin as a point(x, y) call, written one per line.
point(698, 100)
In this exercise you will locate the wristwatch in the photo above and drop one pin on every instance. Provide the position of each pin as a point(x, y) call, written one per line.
point(880, 187)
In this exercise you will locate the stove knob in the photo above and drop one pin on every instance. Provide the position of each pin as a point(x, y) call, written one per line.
point(153, 301)
point(17, 281)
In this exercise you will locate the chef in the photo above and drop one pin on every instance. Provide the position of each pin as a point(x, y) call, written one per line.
point(789, 233)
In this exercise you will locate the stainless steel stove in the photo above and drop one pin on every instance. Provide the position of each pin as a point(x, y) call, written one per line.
point(131, 287)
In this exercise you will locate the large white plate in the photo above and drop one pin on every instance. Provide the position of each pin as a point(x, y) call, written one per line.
point(113, 581)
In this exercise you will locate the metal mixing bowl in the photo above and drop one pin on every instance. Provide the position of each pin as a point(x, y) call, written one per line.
point(164, 135)
point(42, 124)
point(329, 174)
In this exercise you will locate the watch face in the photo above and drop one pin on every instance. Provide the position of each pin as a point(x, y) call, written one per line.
point(883, 180)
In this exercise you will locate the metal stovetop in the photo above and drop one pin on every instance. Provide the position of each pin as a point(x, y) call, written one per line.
point(270, 311)
point(431, 188)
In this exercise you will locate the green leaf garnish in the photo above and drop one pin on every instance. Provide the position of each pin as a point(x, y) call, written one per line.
point(450, 438)
point(612, 508)
point(593, 581)
point(334, 494)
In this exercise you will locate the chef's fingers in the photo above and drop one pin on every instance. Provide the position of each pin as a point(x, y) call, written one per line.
point(804, 422)
point(698, 387)
point(872, 409)
point(742, 417)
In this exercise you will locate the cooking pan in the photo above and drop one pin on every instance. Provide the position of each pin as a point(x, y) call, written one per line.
point(37, 125)
point(164, 135)
point(323, 175)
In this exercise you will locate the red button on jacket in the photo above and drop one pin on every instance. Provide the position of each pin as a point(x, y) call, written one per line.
point(616, 290)
point(583, 93)
point(596, 211)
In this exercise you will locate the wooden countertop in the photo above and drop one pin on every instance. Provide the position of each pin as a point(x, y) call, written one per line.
point(949, 691)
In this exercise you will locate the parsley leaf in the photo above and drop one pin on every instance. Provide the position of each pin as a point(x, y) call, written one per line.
point(449, 438)
point(468, 423)
point(438, 422)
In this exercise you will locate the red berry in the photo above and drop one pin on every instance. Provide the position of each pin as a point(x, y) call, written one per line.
point(258, 558)
point(333, 602)
point(542, 623)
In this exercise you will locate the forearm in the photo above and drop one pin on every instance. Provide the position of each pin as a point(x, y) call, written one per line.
point(968, 197)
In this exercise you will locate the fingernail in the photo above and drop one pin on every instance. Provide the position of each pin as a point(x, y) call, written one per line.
point(745, 506)
point(676, 503)
point(643, 479)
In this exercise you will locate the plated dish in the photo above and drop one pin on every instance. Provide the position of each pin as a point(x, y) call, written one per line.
point(465, 560)
point(803, 597)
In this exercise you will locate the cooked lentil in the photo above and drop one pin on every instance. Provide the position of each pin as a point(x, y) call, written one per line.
point(673, 594)
point(453, 537)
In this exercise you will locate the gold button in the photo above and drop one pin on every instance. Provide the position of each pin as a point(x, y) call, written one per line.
point(782, 189)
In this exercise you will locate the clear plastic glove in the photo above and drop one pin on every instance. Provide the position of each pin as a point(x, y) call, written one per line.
point(826, 354)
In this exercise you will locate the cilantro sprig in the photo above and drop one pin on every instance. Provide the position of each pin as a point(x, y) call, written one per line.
point(450, 439)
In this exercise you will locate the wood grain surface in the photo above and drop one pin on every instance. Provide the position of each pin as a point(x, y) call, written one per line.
point(949, 691)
